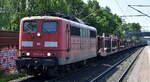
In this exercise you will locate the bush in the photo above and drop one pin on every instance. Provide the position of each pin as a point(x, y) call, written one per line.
point(5, 77)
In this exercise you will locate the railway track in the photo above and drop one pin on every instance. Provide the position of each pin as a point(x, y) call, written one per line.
point(86, 74)
point(92, 72)
point(128, 68)
point(102, 75)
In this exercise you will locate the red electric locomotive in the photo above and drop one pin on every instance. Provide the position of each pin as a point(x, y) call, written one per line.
point(46, 42)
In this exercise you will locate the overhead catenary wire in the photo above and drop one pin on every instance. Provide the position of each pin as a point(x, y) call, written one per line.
point(126, 10)
point(132, 15)
point(141, 5)
point(124, 13)
point(139, 11)
point(119, 6)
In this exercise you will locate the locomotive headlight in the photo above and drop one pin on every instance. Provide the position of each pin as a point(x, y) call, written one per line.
point(38, 34)
point(48, 54)
point(28, 54)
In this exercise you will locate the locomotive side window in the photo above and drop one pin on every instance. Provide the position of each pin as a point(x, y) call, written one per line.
point(85, 33)
point(92, 34)
point(30, 26)
point(75, 31)
point(88, 31)
point(49, 27)
point(81, 32)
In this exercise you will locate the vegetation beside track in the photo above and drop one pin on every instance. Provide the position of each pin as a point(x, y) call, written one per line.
point(7, 77)
point(90, 12)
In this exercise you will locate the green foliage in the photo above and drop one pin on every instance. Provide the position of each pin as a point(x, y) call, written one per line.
point(91, 13)
point(132, 27)
point(6, 77)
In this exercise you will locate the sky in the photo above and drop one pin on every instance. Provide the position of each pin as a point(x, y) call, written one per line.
point(120, 7)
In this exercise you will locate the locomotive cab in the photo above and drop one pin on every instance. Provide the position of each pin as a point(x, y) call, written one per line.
point(41, 41)
point(39, 38)
point(46, 43)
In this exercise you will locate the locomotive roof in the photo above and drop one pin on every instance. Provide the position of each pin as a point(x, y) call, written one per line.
point(79, 25)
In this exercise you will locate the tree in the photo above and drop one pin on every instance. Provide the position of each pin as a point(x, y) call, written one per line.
point(132, 27)
point(91, 13)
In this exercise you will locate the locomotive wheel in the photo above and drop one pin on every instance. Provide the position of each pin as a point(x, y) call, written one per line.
point(23, 71)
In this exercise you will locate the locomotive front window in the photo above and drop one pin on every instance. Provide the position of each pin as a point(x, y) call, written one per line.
point(30, 26)
point(49, 27)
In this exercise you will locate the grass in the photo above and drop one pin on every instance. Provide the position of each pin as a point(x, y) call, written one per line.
point(7, 77)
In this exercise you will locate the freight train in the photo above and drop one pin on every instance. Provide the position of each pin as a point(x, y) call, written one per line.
point(50, 43)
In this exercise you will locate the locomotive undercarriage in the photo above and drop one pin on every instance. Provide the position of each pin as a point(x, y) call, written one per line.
point(37, 66)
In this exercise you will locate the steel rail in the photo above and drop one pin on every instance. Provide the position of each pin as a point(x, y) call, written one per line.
point(109, 69)
point(128, 68)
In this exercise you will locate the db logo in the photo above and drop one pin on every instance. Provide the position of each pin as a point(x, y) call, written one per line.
point(38, 44)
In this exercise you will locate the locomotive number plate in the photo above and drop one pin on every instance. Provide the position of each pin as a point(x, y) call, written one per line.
point(38, 54)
